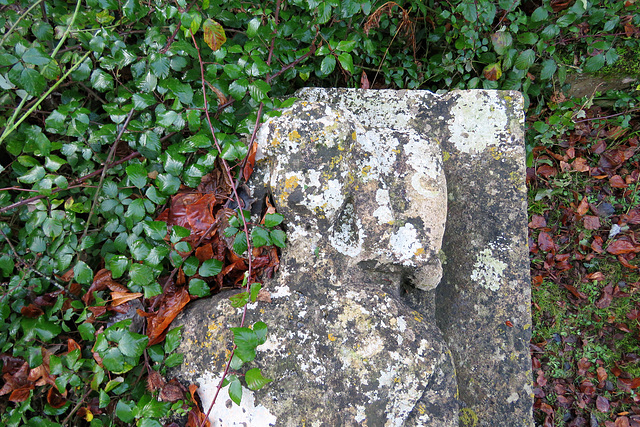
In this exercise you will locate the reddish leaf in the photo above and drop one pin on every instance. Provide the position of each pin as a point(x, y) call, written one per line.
point(622, 247)
point(576, 293)
point(101, 281)
point(55, 399)
point(364, 81)
point(583, 366)
point(596, 245)
point(251, 161)
point(622, 260)
point(31, 310)
point(591, 222)
point(605, 298)
point(602, 374)
point(633, 217)
point(602, 404)
point(583, 207)
point(546, 171)
point(72, 345)
point(616, 181)
point(545, 242)
point(170, 307)
point(214, 34)
point(595, 276)
point(155, 381)
point(21, 394)
point(172, 392)
point(205, 252)
point(580, 165)
point(537, 221)
point(492, 72)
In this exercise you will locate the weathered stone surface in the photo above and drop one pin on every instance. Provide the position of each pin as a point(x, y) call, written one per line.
point(353, 337)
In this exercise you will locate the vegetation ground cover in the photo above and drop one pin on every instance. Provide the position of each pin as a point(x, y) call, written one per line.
point(128, 128)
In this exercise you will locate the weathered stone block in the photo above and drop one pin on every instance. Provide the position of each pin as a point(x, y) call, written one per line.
point(354, 331)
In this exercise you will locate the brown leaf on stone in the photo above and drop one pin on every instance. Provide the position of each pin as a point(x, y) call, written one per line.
point(250, 162)
point(621, 246)
point(172, 392)
point(545, 242)
point(537, 221)
point(616, 181)
point(264, 295)
point(591, 222)
point(31, 311)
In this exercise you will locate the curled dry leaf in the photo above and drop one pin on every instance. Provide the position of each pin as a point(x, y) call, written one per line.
point(622, 246)
point(170, 307)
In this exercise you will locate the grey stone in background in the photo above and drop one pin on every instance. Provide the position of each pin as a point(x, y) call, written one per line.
point(353, 337)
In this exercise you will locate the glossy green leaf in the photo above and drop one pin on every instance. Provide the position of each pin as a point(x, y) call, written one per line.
point(133, 344)
point(246, 341)
point(172, 339)
point(82, 273)
point(328, 65)
point(137, 175)
point(255, 289)
point(278, 237)
point(199, 288)
point(258, 90)
point(235, 391)
point(525, 59)
point(240, 244)
point(210, 267)
point(255, 380)
point(549, 68)
point(260, 237)
point(141, 274)
point(32, 81)
point(346, 61)
point(594, 63)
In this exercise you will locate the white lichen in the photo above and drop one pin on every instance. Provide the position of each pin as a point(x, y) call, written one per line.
point(488, 270)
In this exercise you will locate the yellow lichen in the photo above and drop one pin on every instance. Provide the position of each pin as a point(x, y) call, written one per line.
point(495, 153)
point(331, 337)
point(293, 135)
point(291, 183)
point(419, 251)
point(445, 156)
point(468, 417)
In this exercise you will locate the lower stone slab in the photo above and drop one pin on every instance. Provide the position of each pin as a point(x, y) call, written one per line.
point(368, 347)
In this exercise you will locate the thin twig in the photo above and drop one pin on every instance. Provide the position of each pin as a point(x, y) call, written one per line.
point(104, 174)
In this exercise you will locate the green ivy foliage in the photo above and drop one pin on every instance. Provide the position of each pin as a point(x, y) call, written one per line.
point(102, 114)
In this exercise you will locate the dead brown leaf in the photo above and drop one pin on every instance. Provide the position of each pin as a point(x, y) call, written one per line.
point(591, 222)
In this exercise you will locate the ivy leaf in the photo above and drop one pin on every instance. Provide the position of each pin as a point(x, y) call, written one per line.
point(246, 341)
point(260, 237)
point(214, 34)
point(210, 267)
point(278, 237)
point(252, 28)
point(271, 220)
point(133, 344)
point(260, 329)
point(549, 68)
point(101, 81)
point(32, 81)
point(35, 57)
point(199, 288)
point(172, 340)
point(137, 175)
point(258, 90)
point(346, 62)
point(525, 59)
point(118, 264)
point(82, 273)
point(240, 244)
point(594, 63)
point(235, 391)
point(141, 274)
point(328, 65)
point(255, 380)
